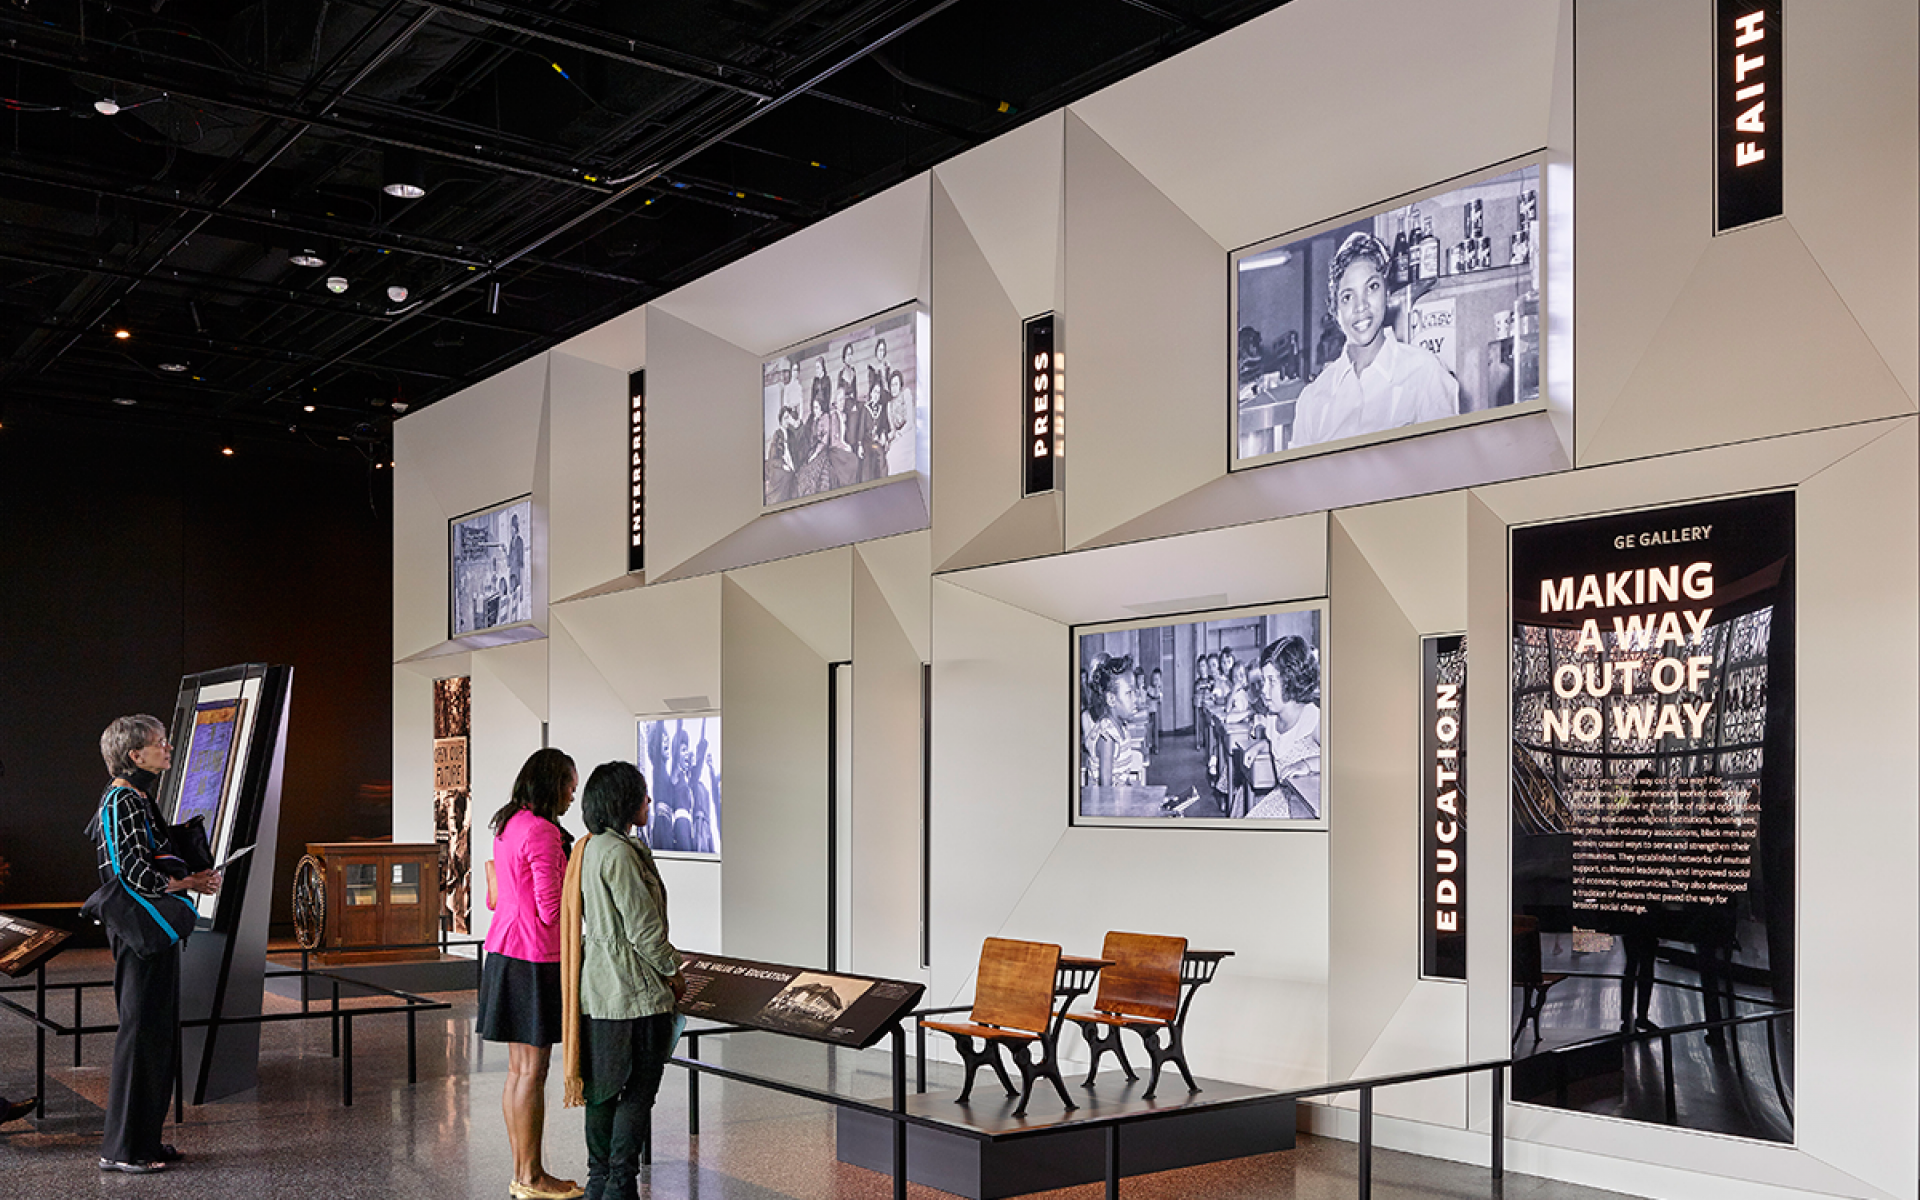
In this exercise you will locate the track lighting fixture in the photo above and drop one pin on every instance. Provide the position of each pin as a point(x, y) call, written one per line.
point(106, 106)
point(307, 257)
point(174, 368)
point(403, 174)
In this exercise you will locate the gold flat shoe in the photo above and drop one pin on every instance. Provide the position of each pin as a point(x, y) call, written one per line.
point(568, 1190)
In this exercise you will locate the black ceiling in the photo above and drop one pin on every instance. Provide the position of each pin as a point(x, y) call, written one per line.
point(579, 159)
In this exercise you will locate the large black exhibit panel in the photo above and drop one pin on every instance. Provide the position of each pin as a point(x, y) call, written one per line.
point(230, 736)
point(1653, 815)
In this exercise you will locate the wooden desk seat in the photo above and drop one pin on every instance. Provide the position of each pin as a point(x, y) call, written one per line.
point(1141, 992)
point(1012, 1007)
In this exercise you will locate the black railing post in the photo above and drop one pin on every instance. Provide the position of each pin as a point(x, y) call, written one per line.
point(336, 1018)
point(1113, 1161)
point(1366, 1143)
point(346, 1060)
point(1499, 1122)
point(40, 1039)
point(305, 983)
point(77, 1023)
point(920, 1055)
point(899, 1040)
point(179, 1075)
point(413, 1062)
point(1666, 1061)
point(693, 1085)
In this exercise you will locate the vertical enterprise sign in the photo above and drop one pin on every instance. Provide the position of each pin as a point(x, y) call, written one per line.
point(1746, 87)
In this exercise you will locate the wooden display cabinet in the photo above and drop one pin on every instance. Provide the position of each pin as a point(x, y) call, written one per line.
point(378, 894)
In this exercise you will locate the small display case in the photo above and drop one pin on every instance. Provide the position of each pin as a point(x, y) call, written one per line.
point(378, 894)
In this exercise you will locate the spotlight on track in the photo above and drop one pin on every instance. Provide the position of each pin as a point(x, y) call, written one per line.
point(307, 257)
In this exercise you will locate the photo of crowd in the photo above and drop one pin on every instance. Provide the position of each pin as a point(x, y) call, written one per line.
point(680, 758)
point(842, 411)
point(1214, 720)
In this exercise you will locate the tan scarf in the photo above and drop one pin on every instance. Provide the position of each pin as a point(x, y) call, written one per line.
point(570, 959)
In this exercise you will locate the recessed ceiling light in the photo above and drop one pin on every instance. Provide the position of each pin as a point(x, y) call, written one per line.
point(173, 368)
point(306, 258)
point(106, 107)
point(227, 450)
point(336, 284)
point(307, 408)
point(122, 334)
point(125, 401)
point(397, 294)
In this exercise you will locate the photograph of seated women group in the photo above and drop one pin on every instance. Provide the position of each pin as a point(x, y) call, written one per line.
point(1214, 719)
point(842, 411)
point(1412, 316)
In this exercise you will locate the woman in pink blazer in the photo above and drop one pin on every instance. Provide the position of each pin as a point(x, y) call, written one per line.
point(520, 983)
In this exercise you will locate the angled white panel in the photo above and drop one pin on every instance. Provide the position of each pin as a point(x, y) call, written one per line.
point(1324, 106)
point(885, 859)
point(1443, 460)
point(1853, 127)
point(480, 445)
point(1000, 760)
point(1857, 1094)
point(1221, 890)
point(977, 361)
point(1690, 340)
point(1143, 346)
point(650, 644)
point(505, 732)
point(1007, 193)
point(1756, 344)
point(1417, 549)
point(587, 494)
point(861, 261)
point(1372, 765)
point(1428, 1029)
point(811, 595)
point(1489, 746)
point(421, 560)
point(774, 887)
point(587, 718)
point(1247, 564)
point(900, 570)
point(522, 669)
point(703, 439)
point(620, 343)
point(888, 510)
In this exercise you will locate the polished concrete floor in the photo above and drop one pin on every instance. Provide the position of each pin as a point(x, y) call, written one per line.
point(442, 1138)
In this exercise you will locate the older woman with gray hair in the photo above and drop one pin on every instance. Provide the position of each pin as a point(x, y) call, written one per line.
point(129, 834)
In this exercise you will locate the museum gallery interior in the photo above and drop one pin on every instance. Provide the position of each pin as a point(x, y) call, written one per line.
point(1123, 537)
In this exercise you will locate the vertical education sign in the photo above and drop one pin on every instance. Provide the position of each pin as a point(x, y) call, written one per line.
point(1443, 807)
point(1040, 411)
point(1654, 794)
point(1746, 86)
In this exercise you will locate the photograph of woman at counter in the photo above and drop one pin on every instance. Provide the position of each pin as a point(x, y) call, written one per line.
point(1229, 736)
point(1373, 327)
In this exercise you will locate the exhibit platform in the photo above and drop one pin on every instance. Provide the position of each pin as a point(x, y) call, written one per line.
point(433, 973)
point(982, 1151)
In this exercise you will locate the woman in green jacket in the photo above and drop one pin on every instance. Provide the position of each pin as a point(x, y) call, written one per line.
point(628, 979)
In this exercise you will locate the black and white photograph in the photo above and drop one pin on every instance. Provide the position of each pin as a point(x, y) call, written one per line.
point(492, 554)
point(1400, 319)
point(813, 1003)
point(845, 409)
point(680, 757)
point(453, 798)
point(1212, 720)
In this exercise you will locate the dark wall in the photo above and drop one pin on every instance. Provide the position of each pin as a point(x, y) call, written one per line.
point(125, 565)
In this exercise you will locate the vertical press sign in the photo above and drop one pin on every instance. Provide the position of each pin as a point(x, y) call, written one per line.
point(1040, 416)
point(1747, 74)
point(1443, 807)
point(637, 471)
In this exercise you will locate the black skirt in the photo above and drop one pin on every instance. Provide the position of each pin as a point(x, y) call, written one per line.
point(519, 1001)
